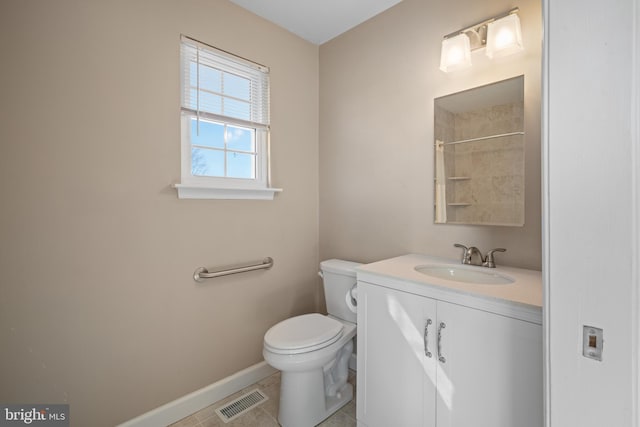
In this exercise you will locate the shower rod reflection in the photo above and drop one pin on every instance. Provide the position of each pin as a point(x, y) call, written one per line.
point(482, 138)
point(203, 273)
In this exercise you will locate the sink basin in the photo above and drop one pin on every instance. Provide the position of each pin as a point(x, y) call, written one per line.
point(465, 274)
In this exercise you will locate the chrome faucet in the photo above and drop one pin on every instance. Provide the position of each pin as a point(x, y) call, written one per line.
point(472, 256)
point(489, 261)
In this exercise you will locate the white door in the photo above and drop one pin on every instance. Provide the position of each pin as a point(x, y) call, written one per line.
point(492, 370)
point(396, 380)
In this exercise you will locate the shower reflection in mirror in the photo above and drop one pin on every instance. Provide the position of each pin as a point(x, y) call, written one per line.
point(479, 155)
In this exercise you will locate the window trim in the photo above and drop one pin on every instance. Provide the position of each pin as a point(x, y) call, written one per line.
point(194, 191)
point(201, 187)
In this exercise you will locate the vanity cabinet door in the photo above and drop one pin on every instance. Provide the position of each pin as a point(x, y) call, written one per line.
point(492, 374)
point(396, 380)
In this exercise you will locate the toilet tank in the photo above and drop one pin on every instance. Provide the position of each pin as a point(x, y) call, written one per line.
point(338, 278)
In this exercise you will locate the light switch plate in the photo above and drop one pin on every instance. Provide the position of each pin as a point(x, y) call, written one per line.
point(592, 342)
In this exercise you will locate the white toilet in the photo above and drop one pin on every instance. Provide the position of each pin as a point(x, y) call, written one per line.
point(312, 351)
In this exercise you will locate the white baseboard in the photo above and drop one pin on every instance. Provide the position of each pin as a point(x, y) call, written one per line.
point(199, 399)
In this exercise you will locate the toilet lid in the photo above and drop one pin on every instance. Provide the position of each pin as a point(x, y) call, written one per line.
point(303, 333)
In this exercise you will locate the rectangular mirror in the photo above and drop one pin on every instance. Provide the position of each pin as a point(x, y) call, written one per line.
point(479, 155)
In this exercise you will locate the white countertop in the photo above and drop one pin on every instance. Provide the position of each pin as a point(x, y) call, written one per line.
point(521, 299)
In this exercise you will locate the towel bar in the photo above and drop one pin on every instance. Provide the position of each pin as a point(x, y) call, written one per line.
point(202, 273)
point(482, 138)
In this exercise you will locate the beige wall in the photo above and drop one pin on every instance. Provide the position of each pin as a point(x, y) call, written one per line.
point(98, 307)
point(377, 86)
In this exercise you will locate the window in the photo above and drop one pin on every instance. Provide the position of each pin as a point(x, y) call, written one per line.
point(225, 125)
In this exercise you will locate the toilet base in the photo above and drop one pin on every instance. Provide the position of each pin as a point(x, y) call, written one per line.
point(334, 403)
point(311, 407)
point(313, 385)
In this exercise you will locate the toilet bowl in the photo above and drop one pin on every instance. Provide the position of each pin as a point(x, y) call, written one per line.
point(312, 351)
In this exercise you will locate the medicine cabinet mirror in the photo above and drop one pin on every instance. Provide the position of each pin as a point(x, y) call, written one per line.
point(479, 155)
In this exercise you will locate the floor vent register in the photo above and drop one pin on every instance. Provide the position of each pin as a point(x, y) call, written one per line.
point(242, 404)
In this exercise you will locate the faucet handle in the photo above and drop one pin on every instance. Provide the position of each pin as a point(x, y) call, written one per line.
point(465, 253)
point(489, 261)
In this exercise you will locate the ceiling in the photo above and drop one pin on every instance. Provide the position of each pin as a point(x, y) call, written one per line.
point(317, 21)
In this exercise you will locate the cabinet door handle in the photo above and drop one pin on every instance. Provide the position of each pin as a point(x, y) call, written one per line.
point(441, 357)
point(426, 338)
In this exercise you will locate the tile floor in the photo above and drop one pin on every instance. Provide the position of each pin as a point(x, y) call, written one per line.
point(266, 414)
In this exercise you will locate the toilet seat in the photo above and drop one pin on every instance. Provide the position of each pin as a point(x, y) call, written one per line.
point(303, 334)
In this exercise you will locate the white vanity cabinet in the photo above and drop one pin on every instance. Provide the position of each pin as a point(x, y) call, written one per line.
point(430, 362)
point(396, 381)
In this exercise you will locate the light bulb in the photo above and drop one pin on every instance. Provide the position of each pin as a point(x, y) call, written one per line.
point(456, 53)
point(504, 36)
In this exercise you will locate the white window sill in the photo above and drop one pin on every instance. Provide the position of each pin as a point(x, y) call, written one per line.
point(188, 191)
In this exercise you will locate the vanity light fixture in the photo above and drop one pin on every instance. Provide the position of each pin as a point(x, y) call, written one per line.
point(504, 36)
point(456, 53)
point(500, 35)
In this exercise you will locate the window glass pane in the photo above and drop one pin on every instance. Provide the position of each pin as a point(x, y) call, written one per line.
point(210, 79)
point(237, 109)
point(207, 162)
point(208, 134)
point(191, 100)
point(210, 102)
point(193, 76)
point(240, 165)
point(239, 138)
point(236, 86)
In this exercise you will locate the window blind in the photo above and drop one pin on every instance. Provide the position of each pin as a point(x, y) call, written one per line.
point(221, 86)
